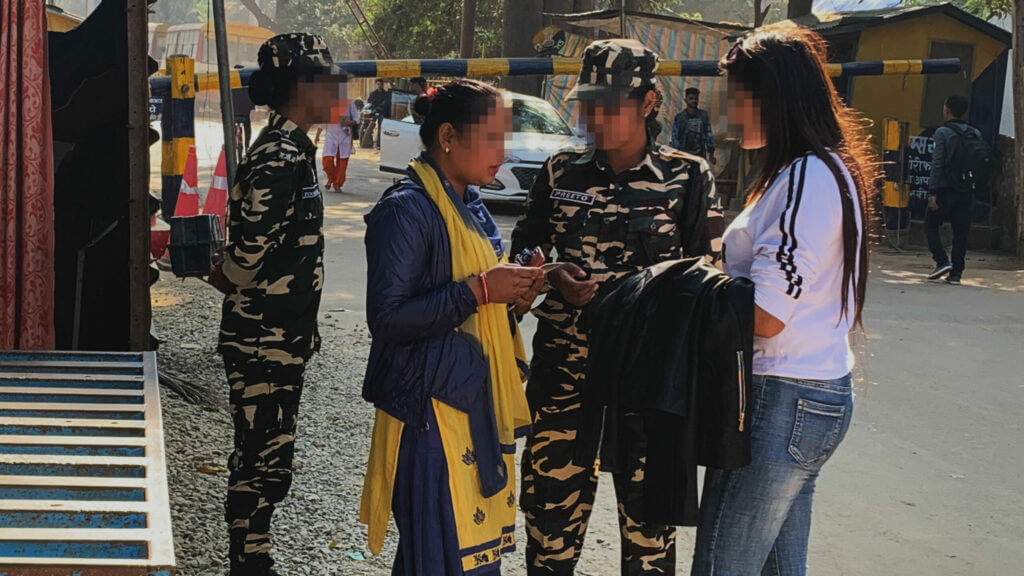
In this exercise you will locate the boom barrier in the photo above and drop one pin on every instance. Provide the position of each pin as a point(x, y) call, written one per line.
point(558, 66)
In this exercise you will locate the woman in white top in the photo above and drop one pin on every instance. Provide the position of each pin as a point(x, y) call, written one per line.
point(338, 146)
point(801, 240)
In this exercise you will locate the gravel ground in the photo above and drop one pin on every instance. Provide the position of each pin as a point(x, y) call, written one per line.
point(317, 529)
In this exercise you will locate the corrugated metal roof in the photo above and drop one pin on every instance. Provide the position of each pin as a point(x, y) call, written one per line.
point(855, 20)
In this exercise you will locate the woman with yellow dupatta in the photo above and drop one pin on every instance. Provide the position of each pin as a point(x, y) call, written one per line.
point(444, 367)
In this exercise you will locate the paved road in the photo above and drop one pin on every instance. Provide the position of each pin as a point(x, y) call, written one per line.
point(930, 478)
point(929, 481)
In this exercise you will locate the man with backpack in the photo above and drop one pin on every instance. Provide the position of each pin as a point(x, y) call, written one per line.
point(961, 163)
point(691, 129)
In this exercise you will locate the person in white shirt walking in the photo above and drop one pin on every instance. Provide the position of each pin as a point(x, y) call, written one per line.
point(802, 241)
point(338, 145)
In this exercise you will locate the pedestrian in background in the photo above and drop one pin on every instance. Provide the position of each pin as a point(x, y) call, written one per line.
point(272, 275)
point(951, 188)
point(622, 206)
point(418, 86)
point(444, 366)
point(339, 145)
point(379, 96)
point(691, 129)
point(802, 240)
point(378, 99)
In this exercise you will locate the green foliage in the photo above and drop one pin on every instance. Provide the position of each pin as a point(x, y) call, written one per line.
point(418, 29)
point(178, 11)
point(331, 19)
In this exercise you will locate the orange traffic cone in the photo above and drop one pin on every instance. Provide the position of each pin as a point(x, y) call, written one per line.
point(188, 195)
point(217, 197)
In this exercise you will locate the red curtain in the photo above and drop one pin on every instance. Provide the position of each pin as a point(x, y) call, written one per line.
point(26, 179)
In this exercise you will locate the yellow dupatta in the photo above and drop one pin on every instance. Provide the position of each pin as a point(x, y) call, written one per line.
point(485, 526)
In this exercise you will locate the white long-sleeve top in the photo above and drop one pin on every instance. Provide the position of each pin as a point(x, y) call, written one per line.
point(790, 244)
point(339, 138)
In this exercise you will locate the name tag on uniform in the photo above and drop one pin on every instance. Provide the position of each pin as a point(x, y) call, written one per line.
point(573, 196)
point(310, 191)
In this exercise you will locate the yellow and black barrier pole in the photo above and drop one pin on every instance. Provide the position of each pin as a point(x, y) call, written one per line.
point(177, 127)
point(547, 66)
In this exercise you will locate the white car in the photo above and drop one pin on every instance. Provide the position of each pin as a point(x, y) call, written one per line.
point(537, 133)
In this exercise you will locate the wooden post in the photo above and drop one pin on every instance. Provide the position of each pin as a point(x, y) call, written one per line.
point(1018, 116)
point(138, 171)
point(557, 7)
point(227, 114)
point(177, 129)
point(468, 28)
point(622, 18)
point(524, 18)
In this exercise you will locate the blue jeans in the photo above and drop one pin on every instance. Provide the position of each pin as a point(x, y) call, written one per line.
point(756, 520)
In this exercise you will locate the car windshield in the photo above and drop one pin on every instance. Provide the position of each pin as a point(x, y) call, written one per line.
point(401, 105)
point(537, 118)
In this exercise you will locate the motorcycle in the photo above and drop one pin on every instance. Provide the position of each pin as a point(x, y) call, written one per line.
point(369, 120)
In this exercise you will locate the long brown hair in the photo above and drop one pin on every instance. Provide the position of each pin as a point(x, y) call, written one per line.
point(783, 67)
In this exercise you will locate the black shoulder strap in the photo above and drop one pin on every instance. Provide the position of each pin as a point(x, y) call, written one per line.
point(960, 131)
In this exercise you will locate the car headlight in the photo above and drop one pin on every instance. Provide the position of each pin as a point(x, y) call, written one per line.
point(496, 185)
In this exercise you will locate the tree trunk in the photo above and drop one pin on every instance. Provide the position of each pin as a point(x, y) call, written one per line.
point(261, 17)
point(558, 6)
point(468, 28)
point(523, 19)
point(761, 8)
point(798, 8)
point(1018, 116)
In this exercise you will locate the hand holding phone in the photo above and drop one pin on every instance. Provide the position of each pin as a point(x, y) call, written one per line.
point(532, 258)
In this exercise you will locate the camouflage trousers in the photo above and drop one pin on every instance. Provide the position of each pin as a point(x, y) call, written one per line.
point(557, 496)
point(264, 401)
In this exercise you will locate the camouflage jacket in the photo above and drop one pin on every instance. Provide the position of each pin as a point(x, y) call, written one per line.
point(613, 225)
point(274, 255)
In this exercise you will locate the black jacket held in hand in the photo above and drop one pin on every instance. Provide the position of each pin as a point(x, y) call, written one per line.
point(672, 343)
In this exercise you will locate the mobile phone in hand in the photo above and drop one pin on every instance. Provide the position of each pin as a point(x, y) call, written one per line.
point(532, 257)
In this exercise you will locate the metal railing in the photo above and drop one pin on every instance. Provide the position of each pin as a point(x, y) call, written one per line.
point(83, 481)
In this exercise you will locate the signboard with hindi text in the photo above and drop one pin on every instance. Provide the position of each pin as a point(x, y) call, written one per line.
point(919, 168)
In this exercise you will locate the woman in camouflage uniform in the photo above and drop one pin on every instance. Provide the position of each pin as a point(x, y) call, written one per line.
point(622, 206)
point(272, 275)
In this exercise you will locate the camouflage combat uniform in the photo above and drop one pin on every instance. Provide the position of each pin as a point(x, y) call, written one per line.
point(274, 259)
point(610, 226)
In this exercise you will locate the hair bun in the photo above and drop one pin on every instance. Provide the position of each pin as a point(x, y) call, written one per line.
point(261, 88)
point(422, 105)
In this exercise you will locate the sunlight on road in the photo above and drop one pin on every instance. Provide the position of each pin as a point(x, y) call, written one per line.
point(1002, 280)
point(345, 220)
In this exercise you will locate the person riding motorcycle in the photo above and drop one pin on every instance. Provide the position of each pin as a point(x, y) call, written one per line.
point(372, 114)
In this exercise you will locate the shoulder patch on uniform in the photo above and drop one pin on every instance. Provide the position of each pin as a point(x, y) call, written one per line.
point(288, 150)
point(277, 154)
point(311, 191)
